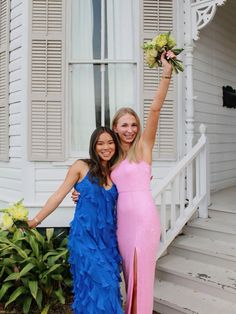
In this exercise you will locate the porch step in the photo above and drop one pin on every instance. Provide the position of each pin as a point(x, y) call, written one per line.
point(212, 229)
point(205, 250)
point(198, 274)
point(171, 298)
point(217, 281)
point(226, 215)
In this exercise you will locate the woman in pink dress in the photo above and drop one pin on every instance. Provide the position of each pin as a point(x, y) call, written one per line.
point(137, 218)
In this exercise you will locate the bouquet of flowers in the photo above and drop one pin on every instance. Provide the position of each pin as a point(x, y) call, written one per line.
point(155, 48)
point(14, 215)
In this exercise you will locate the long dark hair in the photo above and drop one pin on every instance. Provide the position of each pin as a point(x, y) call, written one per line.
point(97, 171)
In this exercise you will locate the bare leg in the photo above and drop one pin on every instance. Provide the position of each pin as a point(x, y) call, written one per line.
point(134, 294)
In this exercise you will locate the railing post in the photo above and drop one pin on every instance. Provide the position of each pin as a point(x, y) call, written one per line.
point(204, 176)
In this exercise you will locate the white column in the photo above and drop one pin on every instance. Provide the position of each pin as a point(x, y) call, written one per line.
point(189, 46)
point(189, 97)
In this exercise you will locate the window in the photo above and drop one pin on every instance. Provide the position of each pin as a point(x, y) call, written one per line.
point(102, 63)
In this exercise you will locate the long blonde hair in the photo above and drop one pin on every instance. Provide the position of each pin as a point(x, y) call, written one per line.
point(131, 155)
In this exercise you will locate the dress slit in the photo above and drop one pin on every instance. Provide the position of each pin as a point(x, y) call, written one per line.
point(135, 285)
point(132, 284)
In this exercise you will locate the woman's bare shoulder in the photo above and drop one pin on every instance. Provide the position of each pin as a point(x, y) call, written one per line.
point(80, 167)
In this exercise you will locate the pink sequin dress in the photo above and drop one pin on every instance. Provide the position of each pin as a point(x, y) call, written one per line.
point(138, 230)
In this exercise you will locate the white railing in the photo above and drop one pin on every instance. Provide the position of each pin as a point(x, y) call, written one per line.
point(184, 191)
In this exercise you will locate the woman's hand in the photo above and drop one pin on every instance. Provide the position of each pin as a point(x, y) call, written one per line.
point(75, 196)
point(32, 223)
point(167, 67)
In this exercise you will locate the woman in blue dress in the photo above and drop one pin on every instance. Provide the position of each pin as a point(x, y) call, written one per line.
point(94, 256)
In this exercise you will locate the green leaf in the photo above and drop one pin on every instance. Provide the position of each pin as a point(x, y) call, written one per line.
point(2, 271)
point(3, 246)
point(57, 277)
point(5, 240)
point(39, 298)
point(4, 232)
point(20, 251)
point(49, 254)
point(38, 263)
point(23, 272)
point(18, 235)
point(177, 51)
point(12, 276)
point(52, 260)
point(19, 202)
point(68, 281)
point(27, 305)
point(49, 234)
point(25, 281)
point(8, 261)
point(46, 309)
point(64, 242)
point(60, 296)
point(26, 269)
point(33, 285)
point(38, 236)
point(15, 295)
point(34, 246)
point(54, 267)
point(4, 288)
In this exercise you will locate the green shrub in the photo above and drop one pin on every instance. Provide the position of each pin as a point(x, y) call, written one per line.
point(34, 269)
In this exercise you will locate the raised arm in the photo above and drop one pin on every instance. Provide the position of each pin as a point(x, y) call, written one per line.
point(149, 133)
point(54, 201)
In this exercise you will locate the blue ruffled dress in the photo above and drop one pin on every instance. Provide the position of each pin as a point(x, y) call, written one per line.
point(94, 256)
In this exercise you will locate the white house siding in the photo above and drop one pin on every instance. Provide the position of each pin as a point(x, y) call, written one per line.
point(214, 67)
point(48, 177)
point(20, 178)
point(11, 173)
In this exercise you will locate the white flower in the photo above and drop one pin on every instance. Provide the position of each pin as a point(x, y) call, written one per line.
point(13, 213)
point(18, 212)
point(155, 48)
point(6, 221)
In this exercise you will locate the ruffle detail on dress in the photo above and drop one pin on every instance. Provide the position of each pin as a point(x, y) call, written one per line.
point(95, 279)
point(94, 257)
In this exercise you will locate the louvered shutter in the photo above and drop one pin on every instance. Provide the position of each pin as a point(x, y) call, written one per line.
point(4, 79)
point(158, 18)
point(47, 80)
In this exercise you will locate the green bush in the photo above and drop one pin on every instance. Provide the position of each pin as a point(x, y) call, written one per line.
point(34, 269)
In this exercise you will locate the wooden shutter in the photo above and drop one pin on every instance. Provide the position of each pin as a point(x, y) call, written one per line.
point(4, 79)
point(158, 18)
point(47, 80)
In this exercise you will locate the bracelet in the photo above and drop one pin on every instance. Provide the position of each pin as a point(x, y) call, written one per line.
point(37, 221)
point(166, 77)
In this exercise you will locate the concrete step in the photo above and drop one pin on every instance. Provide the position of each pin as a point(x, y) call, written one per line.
point(212, 229)
point(205, 250)
point(214, 280)
point(171, 298)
